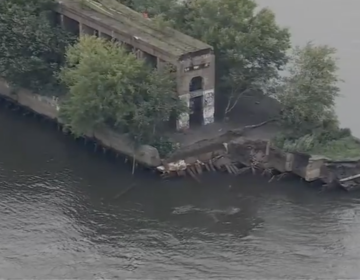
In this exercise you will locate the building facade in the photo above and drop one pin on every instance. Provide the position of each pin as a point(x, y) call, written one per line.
point(193, 60)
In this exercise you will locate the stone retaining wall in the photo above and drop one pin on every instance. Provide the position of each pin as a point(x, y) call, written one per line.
point(49, 107)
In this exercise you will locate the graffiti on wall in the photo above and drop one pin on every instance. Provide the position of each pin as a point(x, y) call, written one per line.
point(208, 106)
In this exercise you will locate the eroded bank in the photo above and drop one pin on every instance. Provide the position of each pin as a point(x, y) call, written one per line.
point(234, 151)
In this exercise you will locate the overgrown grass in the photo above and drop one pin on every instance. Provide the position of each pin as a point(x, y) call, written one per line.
point(338, 148)
point(345, 148)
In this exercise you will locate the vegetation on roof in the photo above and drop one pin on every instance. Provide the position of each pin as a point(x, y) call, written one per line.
point(125, 19)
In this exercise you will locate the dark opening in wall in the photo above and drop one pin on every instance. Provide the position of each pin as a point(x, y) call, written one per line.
point(106, 36)
point(71, 25)
point(196, 83)
point(151, 60)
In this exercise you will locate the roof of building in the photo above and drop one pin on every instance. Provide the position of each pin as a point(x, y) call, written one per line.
point(119, 17)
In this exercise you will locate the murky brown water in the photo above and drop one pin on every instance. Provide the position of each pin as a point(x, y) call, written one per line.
point(60, 219)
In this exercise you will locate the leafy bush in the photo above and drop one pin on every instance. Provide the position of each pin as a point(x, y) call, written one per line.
point(108, 85)
point(164, 145)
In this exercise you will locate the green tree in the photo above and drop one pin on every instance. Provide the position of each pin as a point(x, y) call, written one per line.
point(32, 48)
point(108, 85)
point(249, 46)
point(307, 94)
point(309, 89)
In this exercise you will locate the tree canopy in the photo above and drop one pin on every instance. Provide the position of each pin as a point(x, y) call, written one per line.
point(307, 94)
point(249, 46)
point(308, 90)
point(108, 85)
point(32, 48)
point(251, 50)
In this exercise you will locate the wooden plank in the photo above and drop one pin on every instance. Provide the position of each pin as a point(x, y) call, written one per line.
point(350, 178)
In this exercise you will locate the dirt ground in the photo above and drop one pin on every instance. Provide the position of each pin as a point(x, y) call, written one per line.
point(250, 110)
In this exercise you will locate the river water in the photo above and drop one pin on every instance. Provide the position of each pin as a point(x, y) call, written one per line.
point(62, 216)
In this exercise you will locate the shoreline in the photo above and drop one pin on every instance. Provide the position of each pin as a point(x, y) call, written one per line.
point(234, 151)
point(109, 139)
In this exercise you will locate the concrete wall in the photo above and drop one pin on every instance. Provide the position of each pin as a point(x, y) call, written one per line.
point(279, 160)
point(50, 106)
point(208, 73)
point(314, 169)
point(43, 105)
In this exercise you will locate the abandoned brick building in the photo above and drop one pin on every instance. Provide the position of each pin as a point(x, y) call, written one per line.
point(193, 60)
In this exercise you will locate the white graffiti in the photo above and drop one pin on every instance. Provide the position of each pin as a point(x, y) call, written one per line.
point(208, 106)
point(53, 100)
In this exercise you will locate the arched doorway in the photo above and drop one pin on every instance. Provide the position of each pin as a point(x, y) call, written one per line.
point(196, 83)
point(196, 101)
